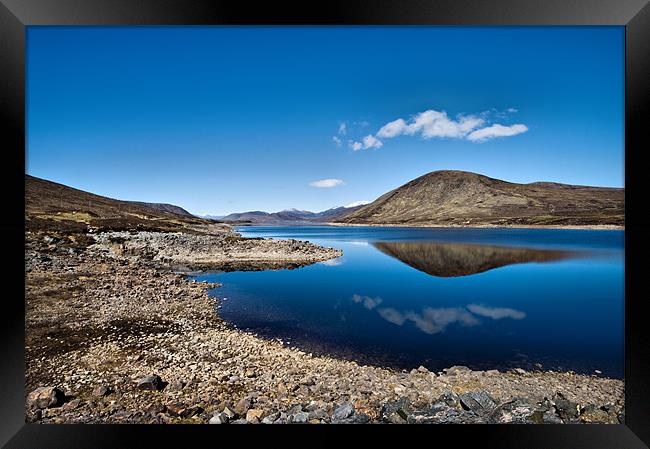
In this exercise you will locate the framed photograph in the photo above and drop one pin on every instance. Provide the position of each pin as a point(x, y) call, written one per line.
point(359, 216)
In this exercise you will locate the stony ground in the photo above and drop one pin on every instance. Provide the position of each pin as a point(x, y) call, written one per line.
point(115, 335)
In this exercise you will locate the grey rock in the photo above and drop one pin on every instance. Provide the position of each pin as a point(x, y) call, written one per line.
point(551, 418)
point(478, 401)
point(318, 414)
point(300, 418)
point(395, 412)
point(565, 409)
point(450, 398)
point(294, 409)
point(219, 418)
point(153, 382)
point(270, 419)
point(427, 414)
point(518, 411)
point(343, 411)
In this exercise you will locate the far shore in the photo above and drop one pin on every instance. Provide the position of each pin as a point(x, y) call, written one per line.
point(481, 226)
point(603, 227)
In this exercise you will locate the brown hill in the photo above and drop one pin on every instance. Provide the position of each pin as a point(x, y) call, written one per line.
point(49, 204)
point(452, 197)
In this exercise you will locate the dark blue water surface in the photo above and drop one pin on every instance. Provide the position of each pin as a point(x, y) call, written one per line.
point(404, 297)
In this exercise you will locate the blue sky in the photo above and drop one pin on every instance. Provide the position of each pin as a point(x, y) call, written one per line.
point(226, 119)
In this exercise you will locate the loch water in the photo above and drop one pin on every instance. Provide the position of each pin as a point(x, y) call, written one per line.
point(437, 297)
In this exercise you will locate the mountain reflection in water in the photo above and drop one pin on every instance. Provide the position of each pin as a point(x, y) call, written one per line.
point(456, 259)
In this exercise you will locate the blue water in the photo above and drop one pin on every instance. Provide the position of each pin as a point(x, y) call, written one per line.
point(454, 305)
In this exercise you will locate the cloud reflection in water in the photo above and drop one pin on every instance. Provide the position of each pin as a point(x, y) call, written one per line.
point(435, 320)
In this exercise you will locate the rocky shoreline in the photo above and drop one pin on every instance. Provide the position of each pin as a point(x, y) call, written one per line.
point(116, 335)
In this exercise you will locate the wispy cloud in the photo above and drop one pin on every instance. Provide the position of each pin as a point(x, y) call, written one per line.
point(355, 146)
point(358, 203)
point(326, 183)
point(336, 141)
point(366, 143)
point(496, 313)
point(432, 124)
point(491, 132)
point(430, 321)
point(435, 320)
point(343, 128)
point(367, 301)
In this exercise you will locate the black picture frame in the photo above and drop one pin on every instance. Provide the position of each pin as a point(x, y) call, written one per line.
point(16, 15)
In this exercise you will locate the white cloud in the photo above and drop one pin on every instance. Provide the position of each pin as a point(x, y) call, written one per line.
point(337, 141)
point(432, 124)
point(367, 143)
point(496, 313)
point(437, 124)
point(491, 132)
point(371, 141)
point(326, 183)
point(343, 128)
point(392, 129)
point(355, 146)
point(358, 203)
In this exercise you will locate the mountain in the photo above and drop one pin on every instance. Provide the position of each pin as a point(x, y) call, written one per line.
point(450, 197)
point(49, 204)
point(455, 259)
point(291, 216)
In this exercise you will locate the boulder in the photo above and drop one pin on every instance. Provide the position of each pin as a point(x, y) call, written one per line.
point(45, 397)
point(395, 412)
point(270, 419)
point(300, 418)
point(219, 418)
point(592, 414)
point(518, 411)
point(478, 401)
point(153, 382)
point(343, 411)
point(565, 409)
point(450, 398)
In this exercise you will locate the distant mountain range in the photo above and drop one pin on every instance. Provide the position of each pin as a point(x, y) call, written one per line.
point(439, 198)
point(291, 216)
point(450, 197)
